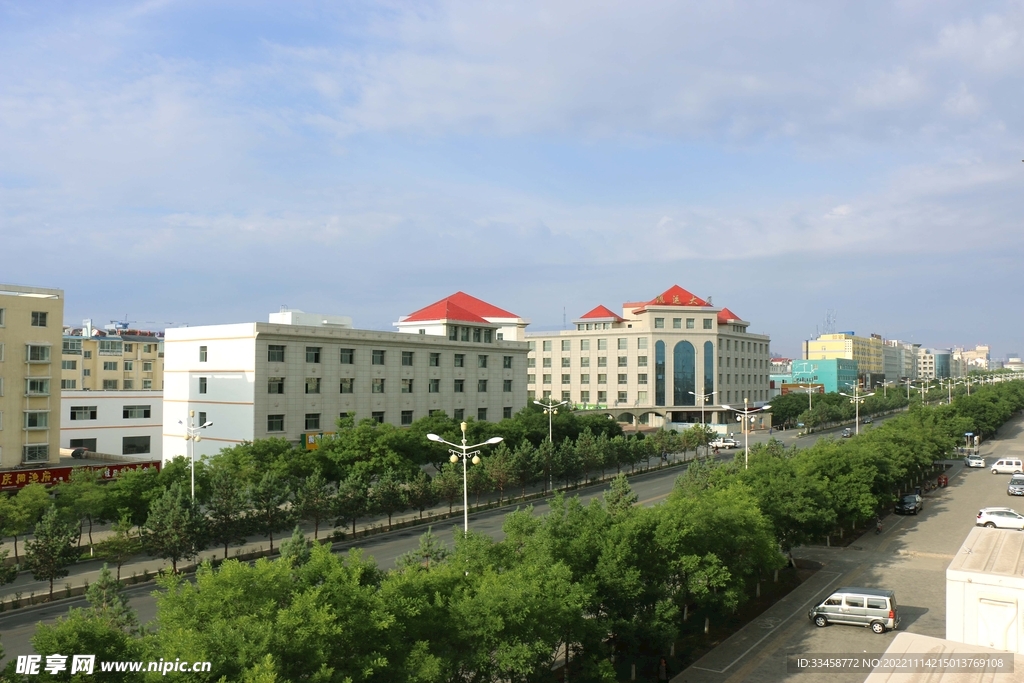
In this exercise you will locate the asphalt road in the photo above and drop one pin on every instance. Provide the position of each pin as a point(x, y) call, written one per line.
point(17, 627)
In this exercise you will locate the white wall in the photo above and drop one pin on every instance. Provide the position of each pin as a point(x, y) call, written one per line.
point(110, 426)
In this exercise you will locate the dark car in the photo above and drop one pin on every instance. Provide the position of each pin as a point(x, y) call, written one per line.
point(909, 505)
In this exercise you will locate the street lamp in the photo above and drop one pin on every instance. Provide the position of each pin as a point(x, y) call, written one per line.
point(885, 385)
point(703, 397)
point(551, 409)
point(745, 417)
point(856, 398)
point(908, 382)
point(193, 436)
point(465, 453)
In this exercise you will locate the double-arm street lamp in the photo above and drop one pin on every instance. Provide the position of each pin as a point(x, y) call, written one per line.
point(856, 398)
point(192, 435)
point(465, 453)
point(551, 408)
point(703, 398)
point(745, 417)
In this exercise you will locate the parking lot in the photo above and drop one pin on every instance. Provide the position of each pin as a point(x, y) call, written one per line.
point(910, 557)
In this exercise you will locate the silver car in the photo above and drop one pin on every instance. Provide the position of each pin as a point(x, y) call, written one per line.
point(1016, 485)
point(974, 461)
point(1000, 518)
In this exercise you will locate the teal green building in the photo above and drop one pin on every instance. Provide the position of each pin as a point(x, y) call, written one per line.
point(836, 374)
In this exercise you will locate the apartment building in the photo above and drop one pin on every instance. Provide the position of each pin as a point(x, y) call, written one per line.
point(115, 359)
point(295, 375)
point(867, 351)
point(31, 322)
point(121, 422)
point(934, 364)
point(661, 361)
point(973, 359)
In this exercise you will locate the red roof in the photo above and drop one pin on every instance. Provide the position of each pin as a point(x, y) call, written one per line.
point(601, 312)
point(725, 315)
point(674, 296)
point(462, 307)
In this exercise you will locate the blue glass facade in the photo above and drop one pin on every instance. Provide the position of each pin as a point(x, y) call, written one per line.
point(684, 374)
point(659, 373)
point(709, 371)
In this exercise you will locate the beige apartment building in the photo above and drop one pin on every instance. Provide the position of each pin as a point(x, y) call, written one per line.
point(867, 351)
point(31, 323)
point(111, 360)
point(660, 361)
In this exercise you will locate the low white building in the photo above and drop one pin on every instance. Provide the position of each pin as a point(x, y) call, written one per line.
point(113, 422)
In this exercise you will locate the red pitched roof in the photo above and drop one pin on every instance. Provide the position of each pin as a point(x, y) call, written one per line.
point(725, 315)
point(459, 306)
point(674, 296)
point(600, 312)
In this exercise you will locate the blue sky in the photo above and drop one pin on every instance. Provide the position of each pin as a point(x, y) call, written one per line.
point(207, 162)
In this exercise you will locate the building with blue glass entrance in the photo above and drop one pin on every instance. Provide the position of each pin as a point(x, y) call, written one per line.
point(836, 374)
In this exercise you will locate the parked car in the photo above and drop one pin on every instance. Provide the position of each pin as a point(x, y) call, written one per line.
point(725, 443)
point(847, 433)
point(867, 420)
point(974, 461)
point(858, 606)
point(1002, 518)
point(910, 504)
point(1016, 485)
point(1007, 466)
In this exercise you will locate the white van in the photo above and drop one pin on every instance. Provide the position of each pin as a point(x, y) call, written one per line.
point(1007, 466)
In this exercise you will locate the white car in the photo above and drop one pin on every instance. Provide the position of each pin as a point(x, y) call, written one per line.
point(1002, 518)
point(724, 443)
point(974, 461)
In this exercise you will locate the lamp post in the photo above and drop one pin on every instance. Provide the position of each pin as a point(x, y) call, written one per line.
point(745, 417)
point(551, 408)
point(465, 453)
point(908, 382)
point(885, 385)
point(856, 398)
point(703, 397)
point(192, 435)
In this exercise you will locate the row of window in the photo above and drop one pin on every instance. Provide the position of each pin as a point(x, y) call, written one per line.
point(275, 385)
point(107, 347)
point(139, 412)
point(741, 362)
point(129, 366)
point(602, 362)
point(312, 421)
point(623, 378)
point(276, 354)
point(677, 323)
point(622, 343)
point(750, 379)
point(476, 334)
point(38, 318)
point(130, 445)
point(622, 397)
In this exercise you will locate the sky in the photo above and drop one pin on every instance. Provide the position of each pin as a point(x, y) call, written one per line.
point(205, 162)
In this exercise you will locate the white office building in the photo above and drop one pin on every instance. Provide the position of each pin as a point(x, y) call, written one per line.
point(113, 422)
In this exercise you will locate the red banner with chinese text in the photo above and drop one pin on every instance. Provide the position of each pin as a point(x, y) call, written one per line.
point(16, 479)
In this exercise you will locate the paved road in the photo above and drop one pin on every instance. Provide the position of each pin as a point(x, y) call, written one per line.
point(909, 557)
point(17, 627)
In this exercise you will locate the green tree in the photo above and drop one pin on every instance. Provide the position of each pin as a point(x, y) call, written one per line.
point(174, 529)
point(49, 554)
point(315, 500)
point(82, 498)
point(353, 501)
point(30, 503)
point(429, 552)
point(121, 545)
point(499, 469)
point(134, 491)
point(8, 572)
point(448, 483)
point(421, 493)
point(524, 465)
point(388, 495)
point(619, 499)
point(297, 548)
point(227, 507)
point(267, 498)
point(478, 479)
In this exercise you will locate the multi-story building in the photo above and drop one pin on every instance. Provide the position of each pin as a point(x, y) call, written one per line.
point(31, 322)
point(116, 359)
point(976, 359)
point(661, 361)
point(934, 364)
point(295, 375)
point(834, 374)
point(867, 351)
point(113, 422)
point(906, 360)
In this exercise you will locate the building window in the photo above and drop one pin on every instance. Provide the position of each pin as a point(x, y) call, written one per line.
point(476, 334)
point(531, 379)
point(707, 323)
point(623, 397)
point(434, 386)
point(37, 387)
point(460, 360)
point(275, 353)
point(546, 363)
point(407, 358)
point(453, 333)
point(347, 356)
point(546, 346)
point(585, 362)
point(641, 343)
point(37, 419)
point(464, 334)
point(312, 385)
point(566, 361)
point(147, 384)
point(602, 397)
point(35, 453)
point(406, 386)
point(566, 378)
point(622, 343)
point(129, 384)
point(312, 421)
point(623, 378)
point(481, 414)
point(377, 416)
point(584, 397)
point(659, 323)
point(487, 336)
point(584, 344)
point(2, 317)
point(275, 385)
point(406, 418)
point(128, 348)
point(641, 361)
point(506, 386)
point(546, 394)
point(641, 396)
point(566, 344)
point(68, 384)
point(602, 361)
point(435, 360)
point(377, 357)
point(136, 412)
point(459, 414)
point(602, 344)
point(38, 318)
point(111, 347)
point(72, 347)
point(110, 365)
point(623, 362)
point(481, 385)
point(129, 366)
point(531, 362)
point(202, 354)
point(275, 423)
point(460, 386)
point(481, 361)
point(87, 354)
point(584, 379)
point(378, 385)
point(506, 362)
point(347, 385)
point(313, 354)
point(147, 348)
point(566, 396)
point(110, 385)
point(38, 354)
point(602, 379)
point(546, 379)
point(147, 366)
point(83, 412)
point(202, 385)
point(506, 413)
point(677, 323)
point(134, 445)
point(641, 379)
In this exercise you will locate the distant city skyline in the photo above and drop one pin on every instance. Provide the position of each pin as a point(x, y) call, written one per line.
point(207, 163)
